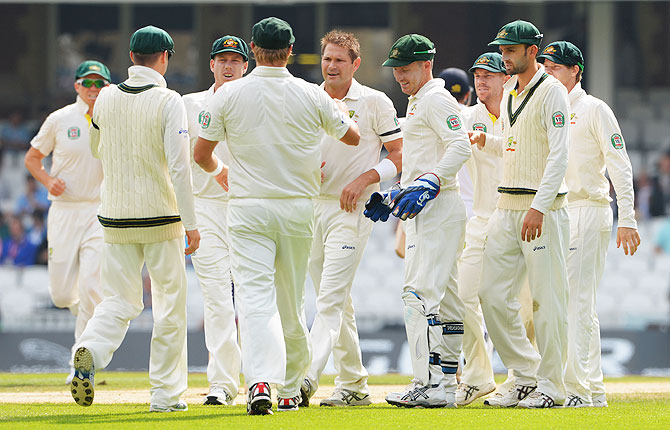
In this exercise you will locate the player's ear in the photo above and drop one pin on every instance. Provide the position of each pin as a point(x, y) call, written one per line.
point(357, 63)
point(211, 65)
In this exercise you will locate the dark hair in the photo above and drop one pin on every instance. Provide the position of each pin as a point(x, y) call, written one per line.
point(146, 59)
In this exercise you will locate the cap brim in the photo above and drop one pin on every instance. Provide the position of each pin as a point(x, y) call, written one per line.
point(93, 72)
point(392, 62)
point(505, 42)
point(237, 51)
point(489, 68)
point(550, 57)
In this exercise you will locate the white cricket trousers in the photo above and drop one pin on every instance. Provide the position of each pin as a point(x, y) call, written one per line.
point(122, 301)
point(212, 266)
point(75, 241)
point(506, 260)
point(339, 241)
point(590, 229)
point(270, 241)
point(433, 246)
point(478, 369)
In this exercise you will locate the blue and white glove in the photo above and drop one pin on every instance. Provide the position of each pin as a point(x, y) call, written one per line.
point(412, 199)
point(380, 204)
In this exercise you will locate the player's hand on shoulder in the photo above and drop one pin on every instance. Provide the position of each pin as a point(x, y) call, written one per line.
point(56, 186)
point(411, 200)
point(629, 238)
point(193, 240)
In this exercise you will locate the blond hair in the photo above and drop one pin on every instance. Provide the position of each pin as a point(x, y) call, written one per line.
point(275, 57)
point(343, 39)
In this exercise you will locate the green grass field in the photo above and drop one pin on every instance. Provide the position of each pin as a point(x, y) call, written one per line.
point(639, 410)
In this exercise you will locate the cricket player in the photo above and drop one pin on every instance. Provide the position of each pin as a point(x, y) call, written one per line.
point(341, 230)
point(139, 132)
point(74, 235)
point(229, 60)
point(529, 230)
point(596, 144)
point(435, 147)
point(271, 123)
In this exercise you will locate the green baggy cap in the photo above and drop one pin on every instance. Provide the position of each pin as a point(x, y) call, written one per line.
point(408, 49)
point(564, 53)
point(491, 61)
point(272, 33)
point(230, 44)
point(150, 39)
point(518, 32)
point(91, 67)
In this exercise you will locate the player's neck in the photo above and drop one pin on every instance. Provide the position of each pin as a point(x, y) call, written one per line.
point(339, 92)
point(493, 108)
point(525, 77)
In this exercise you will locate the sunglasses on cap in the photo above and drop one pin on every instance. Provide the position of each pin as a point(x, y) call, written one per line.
point(88, 83)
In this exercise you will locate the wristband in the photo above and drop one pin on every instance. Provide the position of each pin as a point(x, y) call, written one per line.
point(386, 170)
point(219, 168)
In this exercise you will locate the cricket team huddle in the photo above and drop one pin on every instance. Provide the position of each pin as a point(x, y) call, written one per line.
point(504, 208)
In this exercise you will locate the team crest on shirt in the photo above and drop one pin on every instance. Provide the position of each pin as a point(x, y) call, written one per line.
point(511, 143)
point(479, 127)
point(573, 117)
point(73, 133)
point(617, 141)
point(352, 113)
point(558, 119)
point(454, 122)
point(204, 119)
point(411, 110)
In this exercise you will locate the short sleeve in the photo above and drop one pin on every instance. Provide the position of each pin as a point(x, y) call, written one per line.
point(333, 121)
point(386, 123)
point(212, 122)
point(45, 139)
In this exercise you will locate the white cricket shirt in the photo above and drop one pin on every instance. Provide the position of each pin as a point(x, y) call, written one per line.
point(272, 122)
point(596, 144)
point(65, 134)
point(377, 121)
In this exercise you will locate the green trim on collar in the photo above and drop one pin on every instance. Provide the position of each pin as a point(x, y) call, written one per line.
point(135, 90)
point(513, 116)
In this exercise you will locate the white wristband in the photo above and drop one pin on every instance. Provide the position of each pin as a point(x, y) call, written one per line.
point(386, 169)
point(219, 168)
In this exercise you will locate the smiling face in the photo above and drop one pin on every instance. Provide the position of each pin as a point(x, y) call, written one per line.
point(489, 85)
point(413, 76)
point(337, 66)
point(88, 95)
point(227, 66)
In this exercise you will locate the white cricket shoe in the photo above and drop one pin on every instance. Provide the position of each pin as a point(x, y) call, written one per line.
point(424, 396)
point(344, 397)
point(219, 396)
point(466, 394)
point(307, 390)
point(574, 401)
point(179, 407)
point(599, 401)
point(259, 400)
point(537, 400)
point(511, 398)
point(287, 403)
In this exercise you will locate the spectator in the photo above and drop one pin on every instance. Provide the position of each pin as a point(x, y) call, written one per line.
point(18, 249)
point(649, 196)
point(35, 198)
point(15, 137)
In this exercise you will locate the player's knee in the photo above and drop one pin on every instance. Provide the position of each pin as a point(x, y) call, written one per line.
point(413, 301)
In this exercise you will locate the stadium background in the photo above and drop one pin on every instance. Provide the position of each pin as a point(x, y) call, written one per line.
point(626, 45)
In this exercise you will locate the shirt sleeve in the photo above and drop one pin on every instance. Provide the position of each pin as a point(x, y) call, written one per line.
point(555, 109)
point(608, 135)
point(176, 147)
point(45, 140)
point(212, 125)
point(386, 124)
point(444, 117)
point(334, 122)
point(493, 145)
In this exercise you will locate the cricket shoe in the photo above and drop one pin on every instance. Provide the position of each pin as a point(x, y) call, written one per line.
point(512, 397)
point(219, 396)
point(285, 404)
point(259, 401)
point(574, 401)
point(537, 400)
point(307, 390)
point(421, 396)
point(466, 394)
point(178, 407)
point(599, 401)
point(344, 397)
point(81, 385)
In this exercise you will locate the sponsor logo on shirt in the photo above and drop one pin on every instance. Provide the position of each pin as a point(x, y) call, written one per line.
point(617, 141)
point(348, 247)
point(573, 249)
point(411, 246)
point(183, 131)
point(558, 119)
point(73, 133)
point(204, 119)
point(537, 248)
point(454, 122)
point(479, 127)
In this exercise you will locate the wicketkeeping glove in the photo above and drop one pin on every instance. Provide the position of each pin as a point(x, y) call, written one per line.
point(380, 204)
point(412, 199)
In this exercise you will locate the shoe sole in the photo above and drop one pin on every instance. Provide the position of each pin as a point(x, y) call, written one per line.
point(294, 408)
point(473, 398)
point(342, 405)
point(81, 386)
point(165, 410)
point(416, 405)
point(260, 407)
point(212, 400)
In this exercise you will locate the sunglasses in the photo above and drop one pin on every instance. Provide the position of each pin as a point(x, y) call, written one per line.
point(88, 83)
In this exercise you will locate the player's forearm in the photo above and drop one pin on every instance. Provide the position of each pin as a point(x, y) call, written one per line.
point(493, 145)
point(621, 174)
point(33, 163)
point(457, 153)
